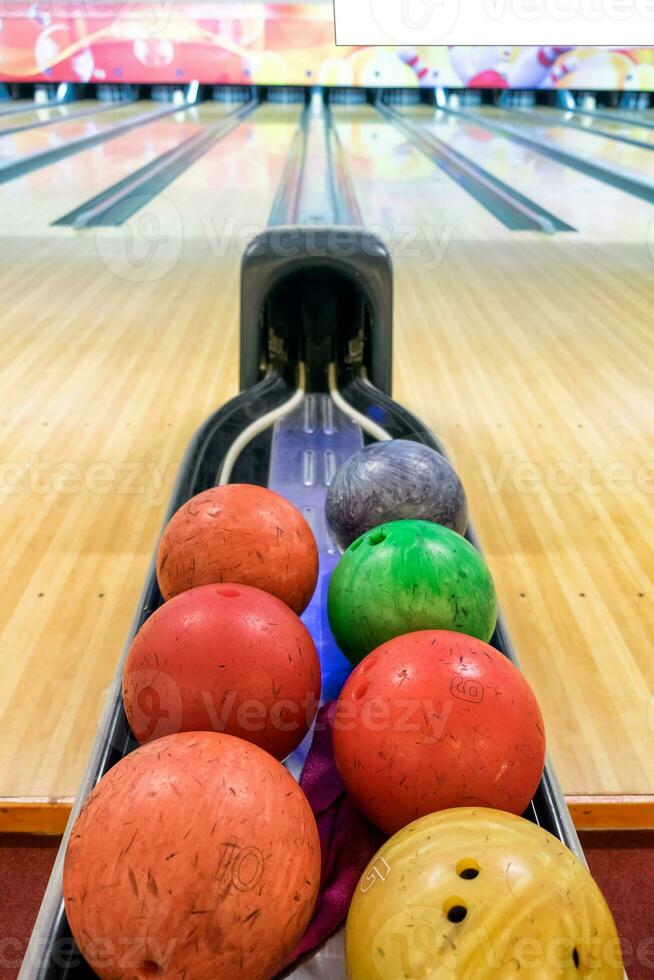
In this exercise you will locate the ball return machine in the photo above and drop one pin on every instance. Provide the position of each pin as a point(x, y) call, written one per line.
point(315, 378)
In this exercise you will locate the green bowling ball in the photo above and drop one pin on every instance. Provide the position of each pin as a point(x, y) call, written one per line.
point(406, 576)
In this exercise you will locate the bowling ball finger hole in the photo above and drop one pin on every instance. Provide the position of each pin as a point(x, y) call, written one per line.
point(376, 538)
point(456, 911)
point(468, 869)
point(356, 544)
point(227, 592)
point(360, 691)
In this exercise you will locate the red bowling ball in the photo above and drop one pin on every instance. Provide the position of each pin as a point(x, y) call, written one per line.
point(239, 533)
point(196, 857)
point(223, 658)
point(436, 719)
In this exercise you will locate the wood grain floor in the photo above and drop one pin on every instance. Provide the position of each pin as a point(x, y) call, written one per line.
point(91, 434)
point(531, 358)
point(533, 366)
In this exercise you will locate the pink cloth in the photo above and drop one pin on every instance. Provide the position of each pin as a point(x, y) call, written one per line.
point(347, 841)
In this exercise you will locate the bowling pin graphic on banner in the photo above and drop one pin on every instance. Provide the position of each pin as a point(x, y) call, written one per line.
point(57, 48)
point(479, 66)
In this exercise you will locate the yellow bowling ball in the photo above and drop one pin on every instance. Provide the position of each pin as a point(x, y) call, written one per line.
point(477, 894)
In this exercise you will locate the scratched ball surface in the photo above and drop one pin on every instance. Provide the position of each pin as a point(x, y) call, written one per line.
point(476, 894)
point(391, 481)
point(437, 719)
point(406, 576)
point(204, 848)
point(223, 658)
point(243, 534)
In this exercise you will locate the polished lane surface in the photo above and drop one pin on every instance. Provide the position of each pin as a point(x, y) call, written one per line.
point(116, 343)
point(77, 178)
point(16, 145)
point(548, 117)
point(225, 197)
point(596, 210)
point(610, 153)
point(51, 115)
point(530, 355)
point(402, 193)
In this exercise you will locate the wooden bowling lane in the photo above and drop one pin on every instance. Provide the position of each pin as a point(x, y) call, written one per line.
point(118, 346)
point(533, 366)
point(106, 378)
point(529, 356)
point(15, 107)
point(53, 114)
point(36, 114)
point(593, 124)
point(82, 175)
point(15, 145)
point(402, 194)
point(225, 197)
point(632, 160)
point(637, 117)
point(592, 208)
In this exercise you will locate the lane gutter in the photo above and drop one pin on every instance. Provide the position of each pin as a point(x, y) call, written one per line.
point(21, 166)
point(516, 211)
point(122, 200)
point(73, 115)
point(569, 124)
point(614, 178)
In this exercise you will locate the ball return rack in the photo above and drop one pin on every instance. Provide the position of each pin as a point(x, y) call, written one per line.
point(315, 376)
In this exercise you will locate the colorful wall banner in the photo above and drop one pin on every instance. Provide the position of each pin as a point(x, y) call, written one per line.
point(274, 44)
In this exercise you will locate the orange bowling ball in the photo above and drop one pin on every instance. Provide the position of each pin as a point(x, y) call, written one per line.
point(243, 534)
point(437, 719)
point(223, 658)
point(197, 856)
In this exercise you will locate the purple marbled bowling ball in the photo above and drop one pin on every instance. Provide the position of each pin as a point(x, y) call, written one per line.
point(392, 481)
